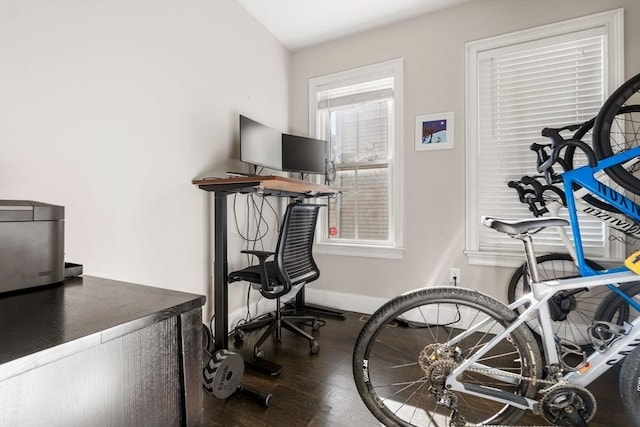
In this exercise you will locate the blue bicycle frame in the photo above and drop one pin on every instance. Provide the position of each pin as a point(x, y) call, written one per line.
point(585, 177)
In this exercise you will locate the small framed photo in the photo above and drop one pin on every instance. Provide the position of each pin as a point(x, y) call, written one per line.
point(434, 131)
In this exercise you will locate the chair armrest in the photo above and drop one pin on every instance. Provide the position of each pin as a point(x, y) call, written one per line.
point(262, 255)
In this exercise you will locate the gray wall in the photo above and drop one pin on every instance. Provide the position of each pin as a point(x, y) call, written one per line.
point(433, 50)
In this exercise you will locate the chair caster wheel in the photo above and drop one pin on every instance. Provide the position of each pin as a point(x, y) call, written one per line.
point(238, 336)
point(258, 354)
point(316, 325)
point(315, 347)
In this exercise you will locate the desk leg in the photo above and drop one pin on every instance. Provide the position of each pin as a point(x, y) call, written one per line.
point(220, 267)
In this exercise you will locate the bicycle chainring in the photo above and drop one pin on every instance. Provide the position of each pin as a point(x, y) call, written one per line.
point(563, 404)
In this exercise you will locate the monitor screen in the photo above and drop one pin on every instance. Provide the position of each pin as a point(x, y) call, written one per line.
point(304, 155)
point(260, 145)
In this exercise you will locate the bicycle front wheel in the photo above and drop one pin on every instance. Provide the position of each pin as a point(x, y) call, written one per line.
point(406, 350)
point(615, 132)
point(629, 385)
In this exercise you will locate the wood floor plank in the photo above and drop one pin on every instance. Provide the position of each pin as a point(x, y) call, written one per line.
point(317, 390)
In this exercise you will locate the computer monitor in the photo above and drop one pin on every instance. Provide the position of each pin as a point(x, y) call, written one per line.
point(260, 145)
point(304, 155)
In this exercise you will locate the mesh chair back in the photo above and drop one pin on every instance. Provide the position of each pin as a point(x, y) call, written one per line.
point(294, 257)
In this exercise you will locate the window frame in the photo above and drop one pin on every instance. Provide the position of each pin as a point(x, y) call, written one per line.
point(613, 22)
point(393, 248)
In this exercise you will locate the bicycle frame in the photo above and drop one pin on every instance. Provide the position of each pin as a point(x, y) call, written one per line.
point(596, 364)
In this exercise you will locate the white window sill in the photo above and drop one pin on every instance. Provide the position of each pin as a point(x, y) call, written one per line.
point(516, 259)
point(369, 251)
point(495, 259)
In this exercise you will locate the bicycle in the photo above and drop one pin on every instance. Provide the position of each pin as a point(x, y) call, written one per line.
point(474, 360)
point(452, 356)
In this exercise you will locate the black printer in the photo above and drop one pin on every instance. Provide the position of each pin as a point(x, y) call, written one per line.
point(31, 244)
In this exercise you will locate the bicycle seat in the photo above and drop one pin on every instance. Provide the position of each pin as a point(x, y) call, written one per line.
point(519, 226)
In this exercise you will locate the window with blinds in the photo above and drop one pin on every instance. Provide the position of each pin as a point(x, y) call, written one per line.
point(551, 79)
point(356, 113)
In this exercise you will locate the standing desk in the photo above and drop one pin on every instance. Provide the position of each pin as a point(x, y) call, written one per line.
point(272, 185)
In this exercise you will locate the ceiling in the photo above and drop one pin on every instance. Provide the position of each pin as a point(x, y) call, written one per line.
point(301, 23)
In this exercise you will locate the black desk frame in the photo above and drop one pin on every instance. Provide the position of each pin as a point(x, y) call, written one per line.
point(267, 186)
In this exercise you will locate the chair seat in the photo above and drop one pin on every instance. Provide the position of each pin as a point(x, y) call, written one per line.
point(252, 274)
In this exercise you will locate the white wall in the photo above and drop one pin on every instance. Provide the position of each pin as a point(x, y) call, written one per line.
point(433, 50)
point(112, 108)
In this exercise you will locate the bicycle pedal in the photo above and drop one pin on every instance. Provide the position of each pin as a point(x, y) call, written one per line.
point(633, 262)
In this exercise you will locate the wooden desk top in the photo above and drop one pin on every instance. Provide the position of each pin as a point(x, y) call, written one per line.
point(271, 184)
point(79, 313)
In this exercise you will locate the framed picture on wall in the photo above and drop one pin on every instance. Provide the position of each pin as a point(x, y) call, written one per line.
point(434, 131)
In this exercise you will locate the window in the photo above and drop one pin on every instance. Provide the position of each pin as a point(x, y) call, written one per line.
point(360, 113)
point(517, 84)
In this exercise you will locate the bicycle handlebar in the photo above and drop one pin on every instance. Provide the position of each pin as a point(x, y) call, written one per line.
point(534, 197)
point(522, 192)
point(545, 161)
point(530, 198)
point(554, 133)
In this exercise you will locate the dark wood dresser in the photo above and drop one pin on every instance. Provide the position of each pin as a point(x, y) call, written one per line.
point(100, 352)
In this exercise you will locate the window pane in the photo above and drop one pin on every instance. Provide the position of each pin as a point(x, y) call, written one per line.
point(344, 135)
point(362, 210)
point(373, 204)
point(373, 128)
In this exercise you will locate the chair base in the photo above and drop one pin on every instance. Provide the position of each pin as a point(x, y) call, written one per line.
point(275, 322)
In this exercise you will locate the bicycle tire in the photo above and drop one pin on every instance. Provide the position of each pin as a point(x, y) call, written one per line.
point(583, 305)
point(614, 134)
point(570, 152)
point(585, 130)
point(614, 309)
point(629, 385)
point(399, 391)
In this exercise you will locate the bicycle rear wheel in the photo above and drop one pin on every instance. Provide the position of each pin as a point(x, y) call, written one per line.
point(616, 132)
point(401, 359)
point(579, 306)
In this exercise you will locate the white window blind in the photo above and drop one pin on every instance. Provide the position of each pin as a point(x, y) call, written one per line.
point(523, 87)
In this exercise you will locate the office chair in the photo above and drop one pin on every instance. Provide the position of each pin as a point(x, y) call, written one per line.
point(292, 265)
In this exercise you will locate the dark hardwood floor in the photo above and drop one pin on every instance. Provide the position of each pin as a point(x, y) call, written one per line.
point(318, 390)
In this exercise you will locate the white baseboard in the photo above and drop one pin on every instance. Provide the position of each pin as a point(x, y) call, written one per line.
point(343, 301)
point(332, 299)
